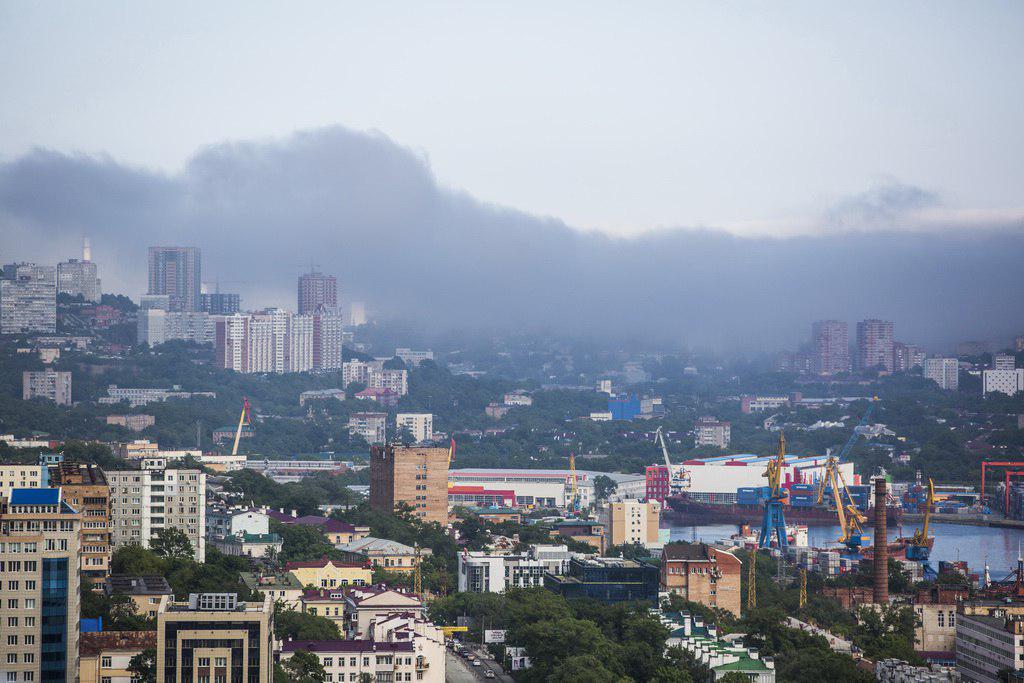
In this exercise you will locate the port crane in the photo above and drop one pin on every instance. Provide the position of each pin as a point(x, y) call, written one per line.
point(848, 446)
point(574, 496)
point(919, 547)
point(244, 420)
point(774, 521)
point(850, 518)
point(678, 477)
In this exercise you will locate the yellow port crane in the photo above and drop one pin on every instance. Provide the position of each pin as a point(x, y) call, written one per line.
point(920, 545)
point(243, 420)
point(574, 502)
point(752, 580)
point(850, 518)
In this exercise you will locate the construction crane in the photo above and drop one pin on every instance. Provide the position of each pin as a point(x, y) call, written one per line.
point(920, 546)
point(678, 477)
point(417, 577)
point(774, 521)
point(574, 500)
point(848, 446)
point(850, 518)
point(243, 420)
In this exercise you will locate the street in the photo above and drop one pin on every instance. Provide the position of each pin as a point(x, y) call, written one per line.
point(458, 670)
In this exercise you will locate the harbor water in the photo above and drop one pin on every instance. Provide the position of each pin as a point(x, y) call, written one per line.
point(975, 545)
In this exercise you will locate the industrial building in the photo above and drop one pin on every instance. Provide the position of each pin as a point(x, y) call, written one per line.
point(532, 488)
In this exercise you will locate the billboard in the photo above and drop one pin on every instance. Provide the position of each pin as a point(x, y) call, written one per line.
point(494, 636)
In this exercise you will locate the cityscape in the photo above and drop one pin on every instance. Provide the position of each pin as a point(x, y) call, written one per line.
point(300, 408)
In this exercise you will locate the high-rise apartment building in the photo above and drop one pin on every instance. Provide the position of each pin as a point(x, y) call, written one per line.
point(631, 521)
point(317, 292)
point(830, 340)
point(711, 432)
point(275, 340)
point(86, 490)
point(943, 371)
point(155, 326)
point(906, 357)
point(79, 278)
point(415, 476)
point(39, 552)
point(28, 298)
point(219, 303)
point(144, 501)
point(1004, 361)
point(176, 272)
point(420, 425)
point(395, 380)
point(875, 345)
point(46, 384)
point(370, 426)
point(215, 637)
point(1007, 382)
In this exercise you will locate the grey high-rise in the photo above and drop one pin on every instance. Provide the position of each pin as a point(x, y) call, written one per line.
point(176, 272)
point(831, 342)
point(28, 299)
point(317, 292)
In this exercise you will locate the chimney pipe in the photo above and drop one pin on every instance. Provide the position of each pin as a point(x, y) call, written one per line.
point(880, 594)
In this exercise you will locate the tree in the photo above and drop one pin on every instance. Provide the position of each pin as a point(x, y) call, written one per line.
point(143, 666)
point(289, 624)
point(304, 667)
point(734, 677)
point(604, 486)
point(172, 542)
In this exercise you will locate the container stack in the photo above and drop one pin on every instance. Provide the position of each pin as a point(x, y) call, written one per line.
point(803, 495)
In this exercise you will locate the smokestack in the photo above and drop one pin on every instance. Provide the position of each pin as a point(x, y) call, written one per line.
point(881, 592)
point(86, 249)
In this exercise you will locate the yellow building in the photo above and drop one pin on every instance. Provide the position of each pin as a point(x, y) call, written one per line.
point(327, 573)
point(149, 593)
point(19, 477)
point(631, 521)
point(389, 555)
point(104, 657)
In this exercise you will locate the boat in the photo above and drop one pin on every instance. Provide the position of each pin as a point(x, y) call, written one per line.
point(682, 507)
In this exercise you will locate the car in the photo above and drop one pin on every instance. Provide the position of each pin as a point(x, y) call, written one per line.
point(488, 674)
point(476, 662)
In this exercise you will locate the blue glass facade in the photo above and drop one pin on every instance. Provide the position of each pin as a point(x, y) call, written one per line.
point(54, 659)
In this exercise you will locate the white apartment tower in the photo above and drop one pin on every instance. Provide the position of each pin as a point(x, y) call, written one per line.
point(943, 371)
point(420, 425)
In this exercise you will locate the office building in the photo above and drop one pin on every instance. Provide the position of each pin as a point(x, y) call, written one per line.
point(86, 490)
point(79, 278)
point(607, 579)
point(145, 501)
point(177, 273)
point(875, 345)
point(39, 536)
point(700, 573)
point(215, 637)
point(988, 642)
point(1007, 382)
point(414, 476)
point(317, 292)
point(481, 572)
point(943, 371)
point(105, 657)
point(420, 425)
point(276, 341)
point(830, 342)
point(631, 521)
point(28, 299)
point(371, 426)
point(711, 432)
point(46, 384)
point(219, 303)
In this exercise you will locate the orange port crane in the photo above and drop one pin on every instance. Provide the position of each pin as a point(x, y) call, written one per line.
point(850, 518)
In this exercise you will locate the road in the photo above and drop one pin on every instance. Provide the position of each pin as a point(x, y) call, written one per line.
point(458, 670)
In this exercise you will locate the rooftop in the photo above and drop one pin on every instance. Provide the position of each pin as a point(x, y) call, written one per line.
point(330, 646)
point(382, 546)
point(123, 584)
point(278, 580)
point(92, 644)
point(35, 497)
point(323, 562)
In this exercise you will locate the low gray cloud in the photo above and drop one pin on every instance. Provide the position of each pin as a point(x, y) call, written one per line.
point(371, 212)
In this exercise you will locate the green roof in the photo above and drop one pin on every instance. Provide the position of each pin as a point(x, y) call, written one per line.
point(261, 538)
point(271, 581)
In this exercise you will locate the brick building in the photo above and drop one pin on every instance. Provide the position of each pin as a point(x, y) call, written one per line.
point(415, 476)
point(701, 573)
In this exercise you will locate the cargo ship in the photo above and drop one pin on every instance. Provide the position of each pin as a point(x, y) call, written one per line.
point(683, 507)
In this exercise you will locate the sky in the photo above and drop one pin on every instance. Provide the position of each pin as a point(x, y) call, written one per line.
point(696, 174)
point(756, 118)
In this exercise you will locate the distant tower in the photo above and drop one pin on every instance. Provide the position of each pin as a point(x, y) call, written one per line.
point(176, 272)
point(830, 340)
point(875, 344)
point(86, 249)
point(357, 314)
point(317, 291)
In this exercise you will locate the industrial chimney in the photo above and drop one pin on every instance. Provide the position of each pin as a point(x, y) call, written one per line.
point(86, 250)
point(880, 594)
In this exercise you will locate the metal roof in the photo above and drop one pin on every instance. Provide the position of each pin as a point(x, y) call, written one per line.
point(35, 497)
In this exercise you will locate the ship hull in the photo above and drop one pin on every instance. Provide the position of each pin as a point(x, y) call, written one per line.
point(681, 508)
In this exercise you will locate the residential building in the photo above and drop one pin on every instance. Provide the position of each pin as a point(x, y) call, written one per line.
point(411, 357)
point(365, 605)
point(357, 314)
point(517, 398)
point(631, 521)
point(336, 531)
point(582, 530)
point(711, 432)
point(385, 397)
point(135, 423)
point(320, 395)
point(214, 637)
point(154, 326)
point(275, 340)
point(415, 476)
point(875, 345)
point(154, 301)
point(907, 356)
point(39, 553)
point(386, 554)
point(104, 657)
point(830, 340)
point(721, 657)
point(280, 587)
point(250, 545)
point(142, 449)
point(988, 642)
point(49, 385)
point(1007, 382)
point(701, 573)
point(223, 521)
point(607, 579)
point(317, 291)
point(943, 371)
point(1004, 361)
point(86, 489)
point(325, 602)
point(359, 371)
point(354, 660)
point(145, 501)
point(935, 635)
point(219, 303)
point(137, 396)
point(327, 573)
point(760, 404)
point(79, 278)
point(420, 425)
point(395, 380)
point(176, 272)
point(149, 593)
point(500, 410)
point(481, 572)
point(18, 476)
point(371, 426)
point(28, 299)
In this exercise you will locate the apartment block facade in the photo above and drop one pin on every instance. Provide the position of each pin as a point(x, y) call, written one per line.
point(317, 292)
point(50, 385)
point(78, 278)
point(830, 340)
point(631, 521)
point(415, 476)
point(701, 573)
point(943, 371)
point(87, 491)
point(28, 299)
point(277, 341)
point(420, 425)
point(176, 272)
point(875, 345)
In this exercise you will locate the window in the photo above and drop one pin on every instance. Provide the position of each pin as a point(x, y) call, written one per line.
point(942, 619)
point(107, 662)
point(220, 661)
point(12, 640)
point(204, 661)
point(952, 619)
